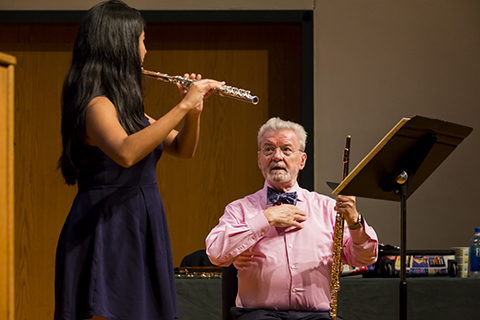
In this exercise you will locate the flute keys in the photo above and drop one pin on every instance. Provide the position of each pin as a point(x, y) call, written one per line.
point(235, 92)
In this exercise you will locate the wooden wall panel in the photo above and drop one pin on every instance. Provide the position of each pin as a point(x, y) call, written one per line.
point(225, 168)
point(225, 165)
point(7, 226)
point(194, 191)
point(41, 197)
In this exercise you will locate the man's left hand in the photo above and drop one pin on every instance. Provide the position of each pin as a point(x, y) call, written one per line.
point(347, 206)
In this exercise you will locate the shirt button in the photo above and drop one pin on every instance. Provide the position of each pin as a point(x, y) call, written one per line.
point(262, 233)
point(293, 266)
point(294, 290)
point(290, 245)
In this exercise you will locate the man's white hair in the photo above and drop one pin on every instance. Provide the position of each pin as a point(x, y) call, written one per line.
point(276, 125)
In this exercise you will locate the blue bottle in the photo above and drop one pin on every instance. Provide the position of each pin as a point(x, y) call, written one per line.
point(474, 255)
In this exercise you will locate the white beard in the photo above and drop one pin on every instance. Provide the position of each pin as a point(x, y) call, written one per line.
point(279, 175)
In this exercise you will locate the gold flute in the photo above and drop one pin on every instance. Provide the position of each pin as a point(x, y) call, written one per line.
point(338, 241)
point(225, 91)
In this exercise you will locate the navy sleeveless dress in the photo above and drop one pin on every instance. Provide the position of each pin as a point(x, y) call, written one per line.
point(114, 256)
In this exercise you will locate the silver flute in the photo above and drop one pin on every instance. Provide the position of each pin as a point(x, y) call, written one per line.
point(224, 91)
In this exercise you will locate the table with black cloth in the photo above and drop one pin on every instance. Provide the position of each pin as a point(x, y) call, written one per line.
point(359, 298)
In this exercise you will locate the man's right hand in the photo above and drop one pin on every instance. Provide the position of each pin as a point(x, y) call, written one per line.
point(285, 215)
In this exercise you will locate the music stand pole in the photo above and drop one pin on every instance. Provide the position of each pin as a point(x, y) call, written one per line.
point(412, 160)
point(403, 249)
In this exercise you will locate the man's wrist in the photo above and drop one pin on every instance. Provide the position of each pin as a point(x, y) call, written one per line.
point(357, 225)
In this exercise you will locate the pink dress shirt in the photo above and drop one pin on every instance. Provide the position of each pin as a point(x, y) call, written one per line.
point(285, 268)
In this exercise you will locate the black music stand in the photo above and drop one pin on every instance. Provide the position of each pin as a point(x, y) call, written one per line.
point(398, 165)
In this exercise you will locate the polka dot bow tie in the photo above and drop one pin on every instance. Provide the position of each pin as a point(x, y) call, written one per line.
point(273, 197)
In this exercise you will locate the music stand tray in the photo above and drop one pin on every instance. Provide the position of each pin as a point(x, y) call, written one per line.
point(399, 164)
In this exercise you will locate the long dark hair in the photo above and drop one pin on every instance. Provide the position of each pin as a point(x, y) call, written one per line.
point(105, 62)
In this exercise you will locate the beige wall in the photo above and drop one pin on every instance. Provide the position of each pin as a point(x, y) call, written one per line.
point(378, 61)
point(375, 62)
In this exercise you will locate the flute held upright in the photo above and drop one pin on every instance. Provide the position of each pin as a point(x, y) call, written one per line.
point(225, 91)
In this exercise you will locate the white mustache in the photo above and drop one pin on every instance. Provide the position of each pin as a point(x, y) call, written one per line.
point(277, 165)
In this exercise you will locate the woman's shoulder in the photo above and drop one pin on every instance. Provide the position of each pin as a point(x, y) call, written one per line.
point(100, 101)
point(100, 106)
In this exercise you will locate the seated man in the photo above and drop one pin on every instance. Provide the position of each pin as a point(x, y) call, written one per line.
point(281, 237)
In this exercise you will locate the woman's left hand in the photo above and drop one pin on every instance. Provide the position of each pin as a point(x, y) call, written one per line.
point(183, 91)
